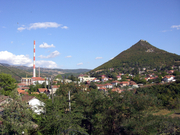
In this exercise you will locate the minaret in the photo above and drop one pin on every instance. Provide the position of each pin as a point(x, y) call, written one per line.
point(34, 70)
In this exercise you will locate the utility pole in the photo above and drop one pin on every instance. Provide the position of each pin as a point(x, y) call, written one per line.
point(69, 101)
point(52, 89)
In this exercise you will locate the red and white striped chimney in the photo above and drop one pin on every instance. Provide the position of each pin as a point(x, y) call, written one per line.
point(34, 70)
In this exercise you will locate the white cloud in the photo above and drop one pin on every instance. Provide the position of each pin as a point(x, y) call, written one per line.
point(46, 64)
point(52, 55)
point(112, 58)
point(44, 25)
point(21, 28)
point(41, 25)
point(98, 58)
point(176, 26)
point(80, 64)
point(23, 60)
point(64, 27)
point(8, 57)
point(3, 27)
point(68, 56)
point(45, 45)
point(11, 42)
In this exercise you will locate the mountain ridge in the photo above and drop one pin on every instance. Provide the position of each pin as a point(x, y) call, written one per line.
point(141, 54)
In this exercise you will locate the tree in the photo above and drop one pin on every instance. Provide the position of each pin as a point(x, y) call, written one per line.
point(58, 76)
point(176, 73)
point(7, 84)
point(92, 85)
point(17, 117)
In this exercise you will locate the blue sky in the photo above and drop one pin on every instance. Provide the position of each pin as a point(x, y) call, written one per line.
point(73, 34)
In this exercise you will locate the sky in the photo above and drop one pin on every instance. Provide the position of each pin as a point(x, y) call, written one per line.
point(78, 34)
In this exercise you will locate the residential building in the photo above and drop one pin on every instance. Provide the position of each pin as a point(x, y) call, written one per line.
point(36, 105)
point(85, 78)
point(43, 90)
point(115, 83)
point(168, 78)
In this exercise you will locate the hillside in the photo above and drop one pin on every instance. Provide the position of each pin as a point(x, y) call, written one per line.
point(14, 72)
point(18, 72)
point(142, 54)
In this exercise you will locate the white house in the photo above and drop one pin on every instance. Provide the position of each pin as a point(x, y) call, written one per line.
point(168, 78)
point(36, 105)
point(40, 80)
point(85, 78)
point(115, 83)
point(104, 79)
point(95, 80)
point(54, 89)
point(118, 77)
point(108, 85)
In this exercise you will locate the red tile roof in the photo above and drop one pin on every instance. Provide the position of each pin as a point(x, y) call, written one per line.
point(55, 86)
point(21, 84)
point(42, 89)
point(34, 92)
point(26, 98)
point(38, 79)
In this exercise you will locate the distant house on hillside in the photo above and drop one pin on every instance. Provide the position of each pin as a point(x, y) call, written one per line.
point(168, 78)
point(85, 78)
point(109, 86)
point(104, 79)
point(124, 83)
point(118, 77)
point(115, 83)
point(95, 80)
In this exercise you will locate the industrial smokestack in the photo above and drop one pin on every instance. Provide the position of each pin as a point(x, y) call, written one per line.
point(39, 71)
point(34, 70)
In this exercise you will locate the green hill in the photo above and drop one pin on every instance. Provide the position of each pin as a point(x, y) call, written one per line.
point(19, 72)
point(142, 54)
point(14, 72)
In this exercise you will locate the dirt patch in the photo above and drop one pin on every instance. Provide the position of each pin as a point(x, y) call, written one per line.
point(175, 115)
point(162, 112)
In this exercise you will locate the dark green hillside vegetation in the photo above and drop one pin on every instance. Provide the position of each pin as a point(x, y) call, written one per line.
point(168, 94)
point(14, 72)
point(142, 54)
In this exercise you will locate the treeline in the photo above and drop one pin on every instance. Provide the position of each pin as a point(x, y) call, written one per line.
point(98, 113)
point(168, 94)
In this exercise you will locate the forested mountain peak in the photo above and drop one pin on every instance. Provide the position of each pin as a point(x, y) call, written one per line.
point(142, 54)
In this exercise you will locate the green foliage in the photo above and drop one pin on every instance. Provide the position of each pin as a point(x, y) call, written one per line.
point(97, 112)
point(7, 84)
point(92, 85)
point(169, 94)
point(58, 76)
point(176, 73)
point(17, 116)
